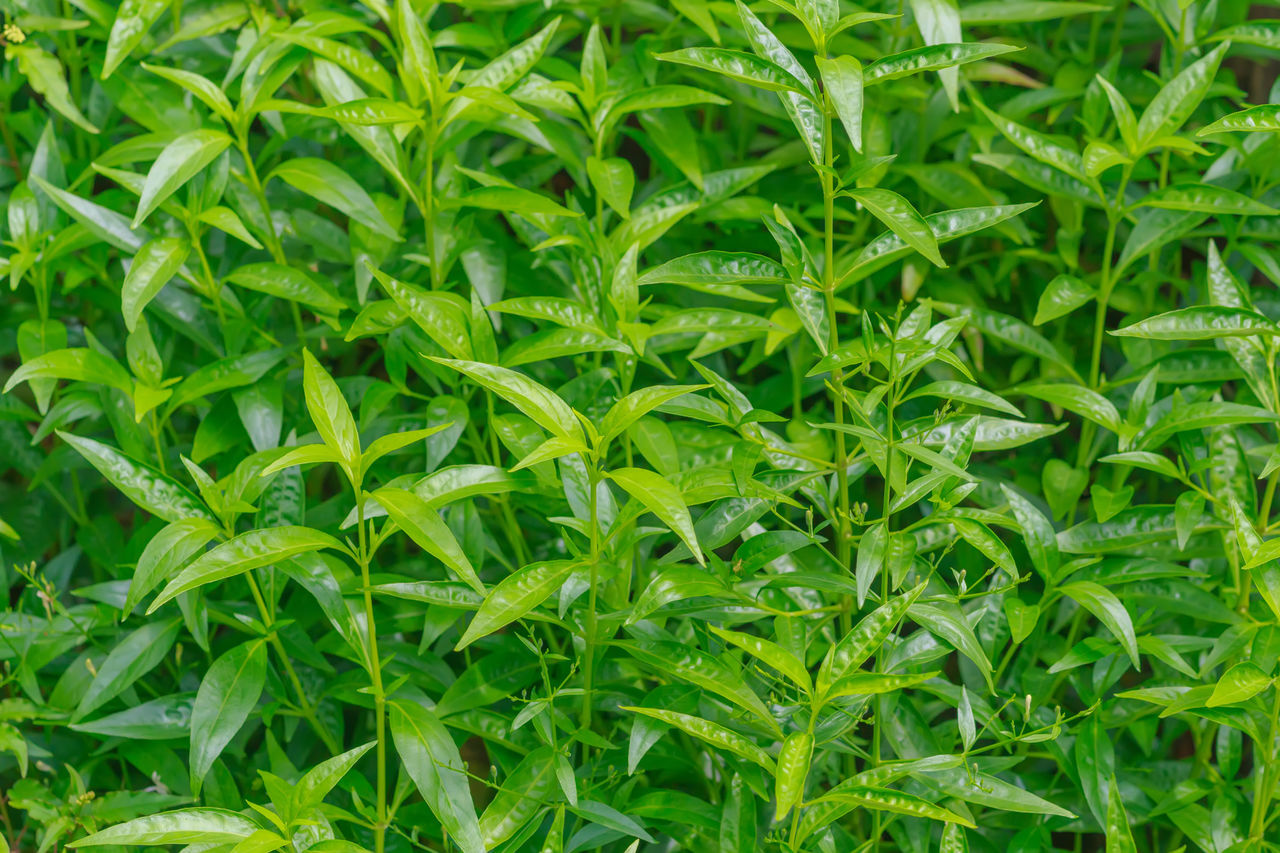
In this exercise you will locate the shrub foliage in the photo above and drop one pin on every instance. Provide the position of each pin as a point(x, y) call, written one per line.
point(703, 425)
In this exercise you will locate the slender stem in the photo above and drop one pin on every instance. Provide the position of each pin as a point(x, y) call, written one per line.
point(589, 640)
point(273, 239)
point(841, 523)
point(304, 703)
point(375, 674)
point(1265, 784)
point(429, 207)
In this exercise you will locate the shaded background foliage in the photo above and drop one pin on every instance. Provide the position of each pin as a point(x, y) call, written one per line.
point(519, 426)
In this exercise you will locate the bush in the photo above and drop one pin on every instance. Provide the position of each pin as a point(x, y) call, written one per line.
point(555, 427)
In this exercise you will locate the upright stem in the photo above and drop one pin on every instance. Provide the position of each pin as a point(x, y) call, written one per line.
point(375, 676)
point(1105, 286)
point(429, 207)
point(304, 704)
point(589, 641)
point(841, 523)
point(273, 239)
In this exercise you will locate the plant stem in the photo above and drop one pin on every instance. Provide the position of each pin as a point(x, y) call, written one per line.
point(589, 640)
point(841, 522)
point(304, 703)
point(375, 674)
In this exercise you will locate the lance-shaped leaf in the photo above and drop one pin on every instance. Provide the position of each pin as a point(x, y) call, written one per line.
point(1108, 609)
point(865, 639)
point(525, 792)
point(133, 657)
point(1205, 198)
point(431, 759)
point(228, 693)
point(1178, 98)
point(165, 553)
point(329, 411)
point(712, 733)
point(178, 163)
point(901, 218)
point(146, 487)
point(663, 500)
point(930, 58)
point(246, 552)
point(637, 404)
point(1265, 117)
point(155, 264)
point(896, 802)
point(79, 364)
point(541, 405)
point(771, 653)
point(842, 81)
point(185, 826)
point(515, 595)
point(317, 782)
point(423, 525)
point(329, 184)
point(736, 65)
point(1200, 323)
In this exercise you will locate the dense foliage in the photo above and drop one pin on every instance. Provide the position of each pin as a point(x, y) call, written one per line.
point(644, 426)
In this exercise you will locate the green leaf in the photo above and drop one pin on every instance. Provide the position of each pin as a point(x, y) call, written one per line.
point(146, 487)
point(178, 163)
point(541, 405)
point(288, 283)
point(930, 58)
point(637, 404)
point(513, 200)
point(864, 640)
point(1205, 198)
point(842, 81)
point(1239, 684)
point(167, 551)
point(45, 74)
point(202, 87)
point(1103, 604)
point(522, 796)
point(1119, 835)
point(663, 500)
point(792, 770)
point(133, 19)
point(615, 181)
point(316, 784)
point(155, 264)
point(228, 693)
point(330, 185)
point(1200, 323)
point(77, 364)
point(735, 65)
point(1265, 117)
point(134, 656)
point(901, 218)
point(431, 759)
point(185, 826)
point(515, 596)
point(248, 551)
point(1037, 145)
point(771, 653)
point(895, 802)
point(1064, 294)
point(1178, 98)
point(329, 411)
point(712, 733)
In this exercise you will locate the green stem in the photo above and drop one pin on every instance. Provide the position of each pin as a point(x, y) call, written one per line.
point(304, 703)
point(841, 523)
point(375, 674)
point(589, 640)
